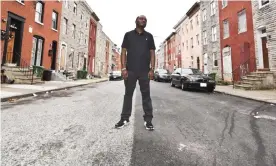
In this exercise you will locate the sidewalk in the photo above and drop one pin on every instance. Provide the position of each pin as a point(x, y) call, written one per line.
point(268, 96)
point(22, 90)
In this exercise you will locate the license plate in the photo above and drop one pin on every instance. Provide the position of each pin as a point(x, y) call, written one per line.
point(203, 84)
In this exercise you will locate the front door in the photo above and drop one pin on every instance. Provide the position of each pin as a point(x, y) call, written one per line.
point(9, 57)
point(54, 56)
point(37, 51)
point(265, 53)
point(227, 64)
point(62, 64)
point(206, 63)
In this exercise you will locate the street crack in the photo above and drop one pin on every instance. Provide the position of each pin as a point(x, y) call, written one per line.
point(232, 124)
point(260, 155)
point(223, 131)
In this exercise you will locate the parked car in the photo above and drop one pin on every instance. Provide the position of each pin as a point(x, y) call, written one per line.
point(115, 75)
point(162, 75)
point(190, 78)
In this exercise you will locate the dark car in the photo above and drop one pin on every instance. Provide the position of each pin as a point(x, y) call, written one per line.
point(190, 78)
point(114, 75)
point(162, 75)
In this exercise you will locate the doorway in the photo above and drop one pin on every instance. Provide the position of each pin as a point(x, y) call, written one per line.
point(205, 61)
point(265, 52)
point(54, 55)
point(13, 40)
point(227, 64)
point(37, 51)
point(62, 59)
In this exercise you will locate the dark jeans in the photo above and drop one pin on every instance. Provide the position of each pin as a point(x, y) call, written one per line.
point(130, 85)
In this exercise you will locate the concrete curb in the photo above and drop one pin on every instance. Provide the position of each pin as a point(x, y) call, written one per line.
point(249, 98)
point(5, 99)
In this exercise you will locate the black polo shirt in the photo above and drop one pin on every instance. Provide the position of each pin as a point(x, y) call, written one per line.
point(138, 48)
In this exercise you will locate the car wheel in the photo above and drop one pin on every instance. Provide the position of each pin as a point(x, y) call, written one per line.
point(211, 90)
point(172, 85)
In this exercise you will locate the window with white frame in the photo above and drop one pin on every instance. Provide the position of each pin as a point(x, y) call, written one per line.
point(65, 25)
point(192, 43)
point(191, 22)
point(55, 20)
point(187, 46)
point(214, 33)
point(242, 23)
point(66, 4)
point(215, 59)
point(197, 39)
point(39, 12)
point(74, 31)
point(197, 20)
point(224, 3)
point(204, 37)
point(204, 13)
point(75, 8)
point(225, 29)
point(187, 27)
point(213, 8)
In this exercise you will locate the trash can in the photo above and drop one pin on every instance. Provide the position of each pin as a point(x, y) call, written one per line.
point(47, 74)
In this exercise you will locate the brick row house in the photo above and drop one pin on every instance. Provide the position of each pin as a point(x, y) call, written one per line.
point(60, 36)
point(234, 39)
point(30, 33)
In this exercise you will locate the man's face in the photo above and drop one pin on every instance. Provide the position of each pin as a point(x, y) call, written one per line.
point(142, 21)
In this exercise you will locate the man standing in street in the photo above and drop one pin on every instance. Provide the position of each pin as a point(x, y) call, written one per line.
point(138, 61)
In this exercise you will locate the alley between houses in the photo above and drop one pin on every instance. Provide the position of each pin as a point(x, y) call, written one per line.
point(76, 127)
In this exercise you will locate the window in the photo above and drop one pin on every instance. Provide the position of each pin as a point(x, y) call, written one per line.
point(85, 40)
point(224, 3)
point(197, 39)
point(74, 31)
point(75, 8)
point(81, 16)
point(263, 2)
point(20, 1)
point(65, 24)
point(39, 11)
point(191, 22)
point(187, 44)
point(204, 15)
point(187, 28)
point(213, 8)
point(192, 42)
point(66, 4)
point(242, 27)
point(204, 37)
point(54, 20)
point(37, 51)
point(197, 20)
point(214, 33)
point(225, 29)
point(215, 59)
point(81, 37)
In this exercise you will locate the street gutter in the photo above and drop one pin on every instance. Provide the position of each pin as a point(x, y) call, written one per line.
point(5, 99)
point(249, 98)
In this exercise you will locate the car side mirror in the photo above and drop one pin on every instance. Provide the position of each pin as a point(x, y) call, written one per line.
point(178, 73)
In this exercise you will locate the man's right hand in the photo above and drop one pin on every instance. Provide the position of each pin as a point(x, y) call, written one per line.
point(124, 74)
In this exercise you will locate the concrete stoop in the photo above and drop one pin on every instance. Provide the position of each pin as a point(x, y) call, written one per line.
point(20, 75)
point(259, 80)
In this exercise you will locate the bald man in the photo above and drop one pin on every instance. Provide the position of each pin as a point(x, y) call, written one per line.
point(137, 62)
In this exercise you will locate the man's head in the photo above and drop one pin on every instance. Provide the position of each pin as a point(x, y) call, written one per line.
point(141, 21)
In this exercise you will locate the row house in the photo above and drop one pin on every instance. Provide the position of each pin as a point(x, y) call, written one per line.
point(157, 59)
point(210, 37)
point(30, 33)
point(161, 58)
point(236, 39)
point(264, 16)
point(77, 39)
point(170, 54)
point(116, 60)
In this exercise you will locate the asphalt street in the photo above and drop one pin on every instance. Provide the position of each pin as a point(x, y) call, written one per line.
point(76, 127)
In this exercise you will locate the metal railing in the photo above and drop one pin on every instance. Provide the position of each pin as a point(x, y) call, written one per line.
point(242, 70)
point(23, 66)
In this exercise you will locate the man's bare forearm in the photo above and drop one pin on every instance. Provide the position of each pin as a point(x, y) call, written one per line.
point(123, 58)
point(152, 58)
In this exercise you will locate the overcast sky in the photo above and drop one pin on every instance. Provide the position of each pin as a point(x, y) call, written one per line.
point(118, 16)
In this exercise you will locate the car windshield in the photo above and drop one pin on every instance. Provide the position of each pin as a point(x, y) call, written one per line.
point(191, 71)
point(163, 71)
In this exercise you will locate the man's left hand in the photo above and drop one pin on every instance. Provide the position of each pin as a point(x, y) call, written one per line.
point(151, 74)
